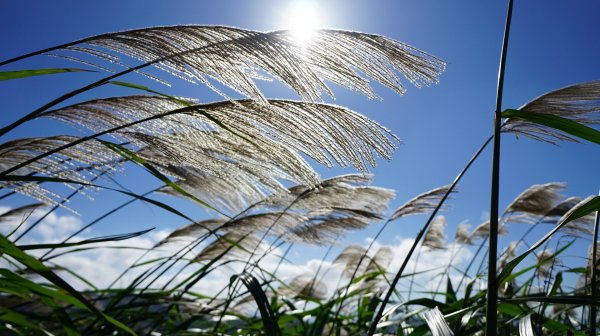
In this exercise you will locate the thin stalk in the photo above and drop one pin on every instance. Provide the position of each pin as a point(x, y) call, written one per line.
point(492, 287)
point(373, 326)
point(593, 309)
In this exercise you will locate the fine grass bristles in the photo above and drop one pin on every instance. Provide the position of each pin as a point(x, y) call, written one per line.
point(434, 238)
point(231, 246)
point(482, 231)
point(380, 261)
point(20, 214)
point(422, 203)
point(538, 199)
point(350, 258)
point(508, 254)
point(560, 209)
point(545, 259)
point(192, 231)
point(304, 286)
point(78, 163)
point(234, 57)
point(579, 102)
point(462, 235)
point(327, 225)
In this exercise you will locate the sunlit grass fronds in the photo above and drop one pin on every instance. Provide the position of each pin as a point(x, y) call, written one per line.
point(350, 257)
point(434, 238)
point(345, 192)
point(538, 199)
point(77, 163)
point(580, 226)
point(232, 245)
point(327, 225)
point(374, 55)
point(380, 261)
point(304, 286)
point(508, 254)
point(544, 259)
point(422, 203)
point(235, 57)
point(462, 235)
point(19, 214)
point(483, 230)
point(329, 134)
point(192, 231)
point(561, 208)
point(579, 102)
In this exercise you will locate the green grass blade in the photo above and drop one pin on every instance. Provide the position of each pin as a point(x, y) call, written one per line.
point(591, 205)
point(268, 317)
point(8, 75)
point(38, 267)
point(562, 124)
point(85, 242)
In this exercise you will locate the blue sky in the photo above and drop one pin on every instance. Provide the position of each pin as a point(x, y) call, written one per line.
point(553, 44)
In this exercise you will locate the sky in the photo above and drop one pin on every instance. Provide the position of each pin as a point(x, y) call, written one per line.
point(552, 45)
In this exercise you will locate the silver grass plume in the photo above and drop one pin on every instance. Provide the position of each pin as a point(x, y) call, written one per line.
point(327, 225)
point(422, 203)
point(380, 261)
point(560, 209)
point(340, 192)
point(580, 226)
point(19, 214)
point(78, 163)
point(304, 285)
point(579, 102)
point(537, 199)
point(436, 322)
point(434, 238)
point(233, 245)
point(328, 133)
point(508, 254)
point(235, 57)
point(544, 259)
point(350, 257)
point(192, 231)
point(462, 235)
point(482, 231)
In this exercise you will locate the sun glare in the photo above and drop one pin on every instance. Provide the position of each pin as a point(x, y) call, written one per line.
point(303, 20)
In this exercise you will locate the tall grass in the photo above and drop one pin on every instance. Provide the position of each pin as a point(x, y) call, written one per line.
point(245, 161)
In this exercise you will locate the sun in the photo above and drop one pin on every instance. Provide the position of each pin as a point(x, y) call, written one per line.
point(303, 20)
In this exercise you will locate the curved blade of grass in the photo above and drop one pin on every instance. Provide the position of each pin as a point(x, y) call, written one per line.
point(562, 124)
point(268, 317)
point(37, 266)
point(591, 205)
point(8, 75)
point(19, 319)
point(102, 239)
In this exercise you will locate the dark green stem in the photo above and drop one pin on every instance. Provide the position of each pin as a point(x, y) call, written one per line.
point(492, 283)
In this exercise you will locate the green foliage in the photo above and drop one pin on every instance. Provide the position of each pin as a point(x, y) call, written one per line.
point(193, 148)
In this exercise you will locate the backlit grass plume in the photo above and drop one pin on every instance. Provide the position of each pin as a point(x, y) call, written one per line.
point(235, 57)
point(579, 102)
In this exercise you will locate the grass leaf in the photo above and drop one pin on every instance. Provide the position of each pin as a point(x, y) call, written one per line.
point(8, 75)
